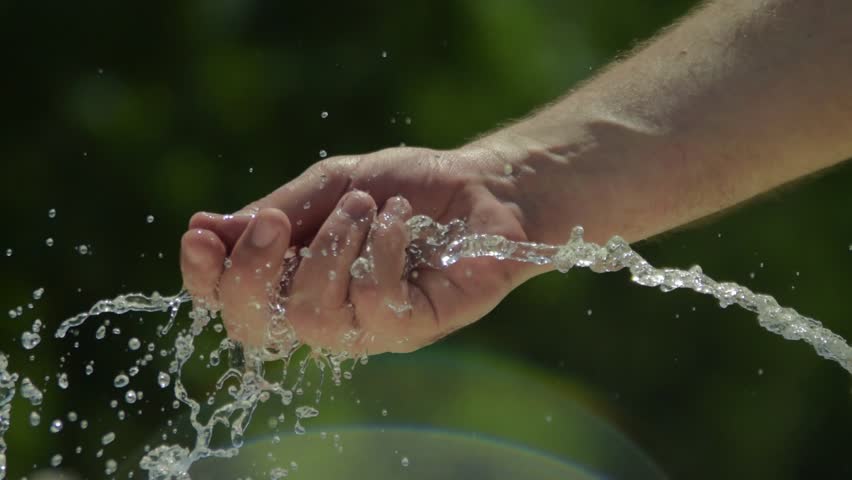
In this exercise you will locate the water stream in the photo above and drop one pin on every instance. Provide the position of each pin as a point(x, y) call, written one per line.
point(433, 245)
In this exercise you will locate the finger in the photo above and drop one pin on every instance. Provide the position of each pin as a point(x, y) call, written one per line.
point(441, 299)
point(250, 283)
point(323, 275)
point(309, 199)
point(227, 227)
point(202, 256)
point(380, 288)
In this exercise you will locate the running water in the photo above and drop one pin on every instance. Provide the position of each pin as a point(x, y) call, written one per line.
point(433, 245)
point(447, 244)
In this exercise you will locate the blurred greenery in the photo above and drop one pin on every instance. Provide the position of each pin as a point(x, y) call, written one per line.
point(113, 111)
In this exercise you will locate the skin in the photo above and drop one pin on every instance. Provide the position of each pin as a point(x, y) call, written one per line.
point(736, 99)
point(403, 182)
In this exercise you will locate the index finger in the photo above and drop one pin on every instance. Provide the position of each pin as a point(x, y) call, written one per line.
point(307, 201)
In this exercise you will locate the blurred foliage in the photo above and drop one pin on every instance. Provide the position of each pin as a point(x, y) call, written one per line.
point(113, 111)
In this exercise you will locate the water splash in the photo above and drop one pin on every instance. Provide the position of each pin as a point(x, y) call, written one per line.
point(244, 381)
point(7, 393)
point(440, 246)
point(433, 245)
point(130, 302)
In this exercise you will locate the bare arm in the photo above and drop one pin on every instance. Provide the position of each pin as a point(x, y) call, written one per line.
point(738, 98)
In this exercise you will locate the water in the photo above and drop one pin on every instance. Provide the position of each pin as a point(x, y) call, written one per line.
point(245, 383)
point(7, 393)
point(447, 244)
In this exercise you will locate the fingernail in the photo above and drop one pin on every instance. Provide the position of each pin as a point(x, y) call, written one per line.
point(264, 231)
point(194, 256)
point(356, 205)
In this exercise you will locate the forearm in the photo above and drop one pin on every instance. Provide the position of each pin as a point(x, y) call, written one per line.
point(739, 98)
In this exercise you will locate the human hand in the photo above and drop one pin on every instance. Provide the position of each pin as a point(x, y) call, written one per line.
point(331, 210)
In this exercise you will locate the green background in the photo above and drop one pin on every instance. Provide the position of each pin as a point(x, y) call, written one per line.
point(113, 111)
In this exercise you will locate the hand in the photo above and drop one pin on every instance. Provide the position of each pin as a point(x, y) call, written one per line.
point(331, 209)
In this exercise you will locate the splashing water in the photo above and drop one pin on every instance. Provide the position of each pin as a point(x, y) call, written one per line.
point(433, 245)
point(7, 393)
point(244, 381)
point(448, 244)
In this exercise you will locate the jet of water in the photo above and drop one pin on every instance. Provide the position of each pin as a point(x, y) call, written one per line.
point(432, 245)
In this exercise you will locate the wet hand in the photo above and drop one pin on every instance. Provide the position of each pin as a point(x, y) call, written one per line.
point(339, 210)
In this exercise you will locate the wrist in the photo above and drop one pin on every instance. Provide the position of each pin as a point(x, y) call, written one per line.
point(567, 168)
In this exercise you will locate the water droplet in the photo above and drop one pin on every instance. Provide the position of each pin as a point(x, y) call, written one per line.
point(360, 267)
point(384, 412)
point(56, 460)
point(760, 371)
point(324, 115)
point(49, 242)
point(405, 462)
point(272, 422)
point(121, 380)
point(30, 340)
point(306, 411)
point(62, 380)
point(163, 379)
point(507, 169)
point(100, 332)
point(384, 54)
point(35, 419)
point(9, 251)
point(107, 438)
point(56, 426)
point(278, 473)
point(110, 466)
point(408, 120)
point(134, 343)
point(130, 396)
point(251, 169)
point(51, 213)
point(37, 293)
point(323, 153)
point(82, 249)
point(332, 275)
point(307, 205)
point(149, 219)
